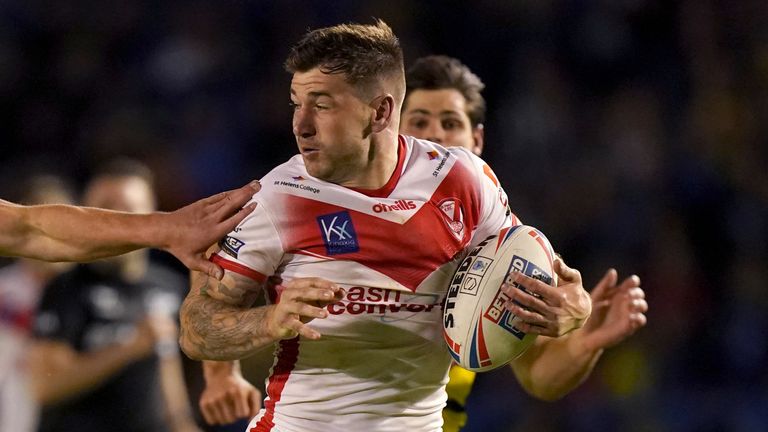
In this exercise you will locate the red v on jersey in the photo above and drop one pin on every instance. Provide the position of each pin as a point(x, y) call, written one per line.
point(393, 250)
point(406, 252)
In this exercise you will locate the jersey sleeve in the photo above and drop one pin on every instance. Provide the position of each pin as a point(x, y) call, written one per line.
point(253, 248)
point(495, 213)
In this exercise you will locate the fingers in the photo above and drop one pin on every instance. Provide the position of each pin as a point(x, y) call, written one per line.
point(529, 328)
point(230, 405)
point(308, 332)
point(526, 315)
point(603, 293)
point(318, 291)
point(635, 308)
point(212, 412)
point(208, 416)
point(527, 306)
point(217, 413)
point(548, 310)
point(630, 282)
point(293, 326)
point(228, 209)
point(637, 302)
point(309, 282)
point(201, 264)
point(229, 220)
point(534, 287)
point(232, 200)
point(565, 273)
point(637, 320)
point(300, 301)
point(240, 404)
point(606, 283)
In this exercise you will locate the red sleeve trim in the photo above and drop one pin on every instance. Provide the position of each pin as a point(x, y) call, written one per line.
point(238, 268)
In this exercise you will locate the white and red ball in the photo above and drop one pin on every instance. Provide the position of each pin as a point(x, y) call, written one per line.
point(480, 332)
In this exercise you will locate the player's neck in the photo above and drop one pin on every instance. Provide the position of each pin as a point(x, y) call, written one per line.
point(382, 162)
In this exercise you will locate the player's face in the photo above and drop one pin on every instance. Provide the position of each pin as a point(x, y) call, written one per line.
point(441, 116)
point(332, 126)
point(124, 193)
point(128, 194)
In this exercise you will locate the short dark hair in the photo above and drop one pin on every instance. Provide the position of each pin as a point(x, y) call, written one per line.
point(362, 52)
point(438, 72)
point(125, 167)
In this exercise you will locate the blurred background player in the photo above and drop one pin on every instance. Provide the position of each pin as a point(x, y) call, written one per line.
point(106, 355)
point(21, 286)
point(444, 104)
point(69, 233)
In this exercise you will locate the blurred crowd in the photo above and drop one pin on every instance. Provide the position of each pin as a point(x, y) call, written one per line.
point(633, 133)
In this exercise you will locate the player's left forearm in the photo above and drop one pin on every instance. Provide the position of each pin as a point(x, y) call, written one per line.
point(213, 329)
point(553, 367)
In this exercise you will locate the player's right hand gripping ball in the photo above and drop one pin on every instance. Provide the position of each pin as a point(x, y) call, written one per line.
point(479, 331)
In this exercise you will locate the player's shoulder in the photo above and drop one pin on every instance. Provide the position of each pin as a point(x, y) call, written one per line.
point(289, 178)
point(293, 169)
point(419, 148)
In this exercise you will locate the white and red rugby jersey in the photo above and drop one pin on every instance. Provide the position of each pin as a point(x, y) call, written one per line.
point(381, 364)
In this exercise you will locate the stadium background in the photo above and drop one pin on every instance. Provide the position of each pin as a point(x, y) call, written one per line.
point(632, 132)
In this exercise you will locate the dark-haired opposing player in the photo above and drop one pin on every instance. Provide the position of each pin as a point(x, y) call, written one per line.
point(354, 241)
point(105, 355)
point(444, 104)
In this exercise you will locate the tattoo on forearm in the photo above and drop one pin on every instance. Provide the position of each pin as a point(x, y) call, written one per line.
point(218, 322)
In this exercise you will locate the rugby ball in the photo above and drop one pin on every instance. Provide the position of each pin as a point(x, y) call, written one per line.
point(480, 332)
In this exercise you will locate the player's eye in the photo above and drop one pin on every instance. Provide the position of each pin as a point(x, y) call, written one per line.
point(293, 105)
point(451, 124)
point(420, 123)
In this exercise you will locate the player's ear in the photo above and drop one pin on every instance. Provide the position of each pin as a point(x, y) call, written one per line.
point(383, 112)
point(478, 135)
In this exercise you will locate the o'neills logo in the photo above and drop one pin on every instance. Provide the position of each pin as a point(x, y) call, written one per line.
point(397, 206)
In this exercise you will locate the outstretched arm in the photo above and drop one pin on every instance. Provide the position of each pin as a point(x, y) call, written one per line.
point(70, 233)
point(218, 322)
point(553, 367)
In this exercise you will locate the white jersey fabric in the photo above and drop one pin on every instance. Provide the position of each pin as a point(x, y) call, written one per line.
point(381, 363)
point(20, 293)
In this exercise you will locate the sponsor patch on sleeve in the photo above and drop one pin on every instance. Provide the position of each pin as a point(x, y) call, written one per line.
point(231, 246)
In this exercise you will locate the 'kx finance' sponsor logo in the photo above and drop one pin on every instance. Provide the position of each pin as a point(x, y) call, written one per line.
point(399, 205)
point(338, 233)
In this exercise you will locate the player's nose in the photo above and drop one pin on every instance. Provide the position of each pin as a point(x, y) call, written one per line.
point(436, 133)
point(303, 123)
